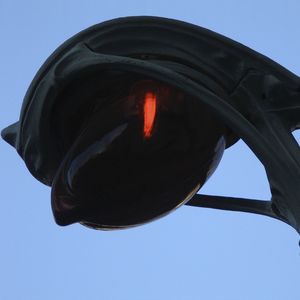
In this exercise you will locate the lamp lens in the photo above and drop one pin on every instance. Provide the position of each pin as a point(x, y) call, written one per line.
point(137, 158)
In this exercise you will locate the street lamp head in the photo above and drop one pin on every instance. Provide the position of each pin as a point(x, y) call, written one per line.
point(128, 119)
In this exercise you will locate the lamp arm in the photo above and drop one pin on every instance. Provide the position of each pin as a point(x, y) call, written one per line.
point(260, 207)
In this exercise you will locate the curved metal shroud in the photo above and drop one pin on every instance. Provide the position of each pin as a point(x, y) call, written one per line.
point(257, 98)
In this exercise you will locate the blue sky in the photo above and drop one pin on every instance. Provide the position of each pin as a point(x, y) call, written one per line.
point(193, 253)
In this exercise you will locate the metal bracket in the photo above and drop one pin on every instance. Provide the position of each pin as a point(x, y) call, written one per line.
point(273, 111)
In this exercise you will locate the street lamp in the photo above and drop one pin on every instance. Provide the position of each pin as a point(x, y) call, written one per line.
point(127, 120)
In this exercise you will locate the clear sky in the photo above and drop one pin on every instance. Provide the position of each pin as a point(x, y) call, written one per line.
point(194, 253)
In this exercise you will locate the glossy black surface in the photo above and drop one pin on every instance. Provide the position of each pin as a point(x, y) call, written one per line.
point(117, 175)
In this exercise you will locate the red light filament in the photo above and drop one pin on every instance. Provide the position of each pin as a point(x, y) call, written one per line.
point(149, 113)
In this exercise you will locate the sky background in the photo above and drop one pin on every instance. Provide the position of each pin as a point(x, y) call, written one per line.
point(193, 253)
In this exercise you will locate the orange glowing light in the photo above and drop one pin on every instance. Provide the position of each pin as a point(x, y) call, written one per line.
point(149, 113)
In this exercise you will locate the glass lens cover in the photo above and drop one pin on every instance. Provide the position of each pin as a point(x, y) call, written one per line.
point(137, 158)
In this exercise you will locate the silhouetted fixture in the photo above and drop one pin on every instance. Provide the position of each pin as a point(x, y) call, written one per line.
point(127, 120)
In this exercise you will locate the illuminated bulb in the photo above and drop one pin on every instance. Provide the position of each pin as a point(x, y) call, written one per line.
point(149, 113)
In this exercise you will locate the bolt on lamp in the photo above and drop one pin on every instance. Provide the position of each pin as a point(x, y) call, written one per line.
point(128, 119)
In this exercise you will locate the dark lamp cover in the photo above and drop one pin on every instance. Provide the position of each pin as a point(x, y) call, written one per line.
point(138, 156)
